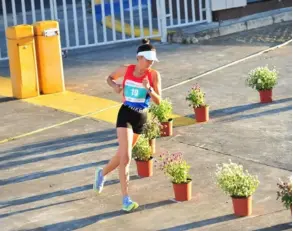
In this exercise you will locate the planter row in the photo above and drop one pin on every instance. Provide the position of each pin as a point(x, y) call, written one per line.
point(183, 192)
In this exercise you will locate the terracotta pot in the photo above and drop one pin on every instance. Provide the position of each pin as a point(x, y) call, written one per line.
point(153, 145)
point(266, 96)
point(144, 168)
point(242, 206)
point(183, 191)
point(167, 128)
point(202, 114)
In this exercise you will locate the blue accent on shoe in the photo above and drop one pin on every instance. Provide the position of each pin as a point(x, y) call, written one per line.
point(126, 199)
point(99, 180)
point(128, 204)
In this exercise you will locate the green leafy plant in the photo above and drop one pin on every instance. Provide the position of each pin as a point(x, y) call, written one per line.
point(285, 193)
point(262, 78)
point(196, 97)
point(234, 181)
point(163, 111)
point(174, 166)
point(142, 150)
point(151, 128)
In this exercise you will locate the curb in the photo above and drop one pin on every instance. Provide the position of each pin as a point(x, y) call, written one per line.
point(127, 29)
point(220, 29)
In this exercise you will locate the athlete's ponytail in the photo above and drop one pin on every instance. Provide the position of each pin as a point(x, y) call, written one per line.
point(145, 41)
point(146, 46)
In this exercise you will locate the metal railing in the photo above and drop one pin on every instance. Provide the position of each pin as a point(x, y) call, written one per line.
point(90, 23)
point(181, 13)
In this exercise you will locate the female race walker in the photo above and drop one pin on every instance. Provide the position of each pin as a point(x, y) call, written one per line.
point(140, 85)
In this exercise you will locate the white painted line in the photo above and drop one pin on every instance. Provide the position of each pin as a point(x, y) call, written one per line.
point(227, 65)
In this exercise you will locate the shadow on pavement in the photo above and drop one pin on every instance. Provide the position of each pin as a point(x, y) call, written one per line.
point(38, 175)
point(57, 193)
point(65, 142)
point(55, 156)
point(6, 99)
point(36, 208)
point(242, 108)
point(258, 114)
point(83, 222)
point(285, 226)
point(202, 223)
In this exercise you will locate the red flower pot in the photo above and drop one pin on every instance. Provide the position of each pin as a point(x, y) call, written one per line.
point(183, 191)
point(242, 206)
point(202, 114)
point(144, 168)
point(167, 128)
point(266, 96)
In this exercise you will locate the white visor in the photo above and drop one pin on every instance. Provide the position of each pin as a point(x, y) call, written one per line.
point(149, 55)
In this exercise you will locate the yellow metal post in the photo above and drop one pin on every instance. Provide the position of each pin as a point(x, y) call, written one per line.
point(22, 61)
point(49, 57)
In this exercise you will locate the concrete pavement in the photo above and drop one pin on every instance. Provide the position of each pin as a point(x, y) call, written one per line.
point(239, 123)
point(46, 178)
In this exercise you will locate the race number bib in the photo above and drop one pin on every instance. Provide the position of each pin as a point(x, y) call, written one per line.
point(134, 92)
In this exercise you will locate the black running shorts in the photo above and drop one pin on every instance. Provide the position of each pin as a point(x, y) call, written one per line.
point(130, 118)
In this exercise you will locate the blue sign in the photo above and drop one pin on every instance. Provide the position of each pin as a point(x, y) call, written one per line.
point(116, 5)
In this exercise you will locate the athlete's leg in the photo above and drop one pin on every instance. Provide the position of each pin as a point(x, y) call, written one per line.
point(125, 139)
point(100, 174)
point(114, 162)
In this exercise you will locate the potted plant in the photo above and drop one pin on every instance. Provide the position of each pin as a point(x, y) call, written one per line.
point(142, 154)
point(151, 130)
point(263, 80)
point(285, 193)
point(239, 185)
point(196, 98)
point(176, 168)
point(163, 112)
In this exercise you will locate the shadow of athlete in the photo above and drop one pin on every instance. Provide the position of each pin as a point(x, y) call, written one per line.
point(140, 85)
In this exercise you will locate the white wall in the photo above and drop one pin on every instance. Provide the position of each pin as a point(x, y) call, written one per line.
point(227, 4)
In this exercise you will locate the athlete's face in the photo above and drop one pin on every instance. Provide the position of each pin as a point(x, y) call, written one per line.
point(144, 63)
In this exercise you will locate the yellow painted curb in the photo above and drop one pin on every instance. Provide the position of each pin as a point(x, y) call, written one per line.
point(72, 102)
point(83, 105)
point(118, 28)
point(106, 110)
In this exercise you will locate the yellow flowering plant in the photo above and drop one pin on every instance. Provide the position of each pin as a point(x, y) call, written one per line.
point(234, 181)
point(262, 78)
